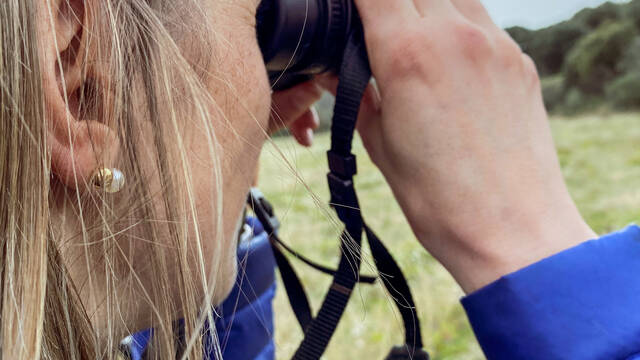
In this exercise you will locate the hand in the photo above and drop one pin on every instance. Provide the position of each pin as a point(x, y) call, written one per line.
point(460, 132)
point(293, 109)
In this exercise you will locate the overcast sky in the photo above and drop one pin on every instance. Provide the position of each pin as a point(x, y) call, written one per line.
point(536, 13)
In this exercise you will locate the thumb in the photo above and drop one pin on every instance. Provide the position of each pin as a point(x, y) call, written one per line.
point(302, 128)
point(291, 104)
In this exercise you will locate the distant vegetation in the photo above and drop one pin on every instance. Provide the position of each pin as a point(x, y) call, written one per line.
point(590, 61)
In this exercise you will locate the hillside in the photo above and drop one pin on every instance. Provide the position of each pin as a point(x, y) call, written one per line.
point(590, 61)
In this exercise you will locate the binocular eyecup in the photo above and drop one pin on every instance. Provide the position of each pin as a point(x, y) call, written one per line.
point(302, 38)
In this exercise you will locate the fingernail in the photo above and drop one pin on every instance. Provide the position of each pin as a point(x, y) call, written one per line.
point(316, 117)
point(318, 89)
point(309, 137)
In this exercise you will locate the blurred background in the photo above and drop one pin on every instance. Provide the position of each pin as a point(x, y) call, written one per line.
point(588, 56)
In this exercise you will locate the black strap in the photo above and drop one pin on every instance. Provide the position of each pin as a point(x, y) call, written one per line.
point(354, 78)
point(363, 279)
point(293, 286)
point(355, 75)
point(397, 287)
point(295, 291)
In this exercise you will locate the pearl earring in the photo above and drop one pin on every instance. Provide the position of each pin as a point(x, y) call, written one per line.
point(109, 180)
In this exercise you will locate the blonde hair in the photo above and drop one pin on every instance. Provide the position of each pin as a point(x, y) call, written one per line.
point(42, 315)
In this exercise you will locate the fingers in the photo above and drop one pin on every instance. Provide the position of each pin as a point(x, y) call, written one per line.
point(302, 128)
point(291, 104)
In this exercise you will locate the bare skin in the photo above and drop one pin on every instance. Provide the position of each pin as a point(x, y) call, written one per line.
point(243, 103)
point(461, 134)
point(457, 126)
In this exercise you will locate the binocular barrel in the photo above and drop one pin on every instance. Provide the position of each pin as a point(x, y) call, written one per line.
point(302, 38)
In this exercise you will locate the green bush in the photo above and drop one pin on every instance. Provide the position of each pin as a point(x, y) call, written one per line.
point(522, 36)
point(575, 102)
point(551, 45)
point(594, 17)
point(553, 92)
point(632, 12)
point(548, 47)
point(631, 59)
point(624, 92)
point(593, 61)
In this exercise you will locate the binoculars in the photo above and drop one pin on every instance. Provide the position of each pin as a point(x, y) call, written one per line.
point(302, 38)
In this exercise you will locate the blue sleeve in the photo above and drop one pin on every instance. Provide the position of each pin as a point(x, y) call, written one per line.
point(583, 303)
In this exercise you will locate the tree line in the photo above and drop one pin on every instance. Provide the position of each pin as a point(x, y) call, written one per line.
point(589, 61)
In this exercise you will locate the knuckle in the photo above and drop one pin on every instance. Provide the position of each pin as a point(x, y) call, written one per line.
point(509, 53)
point(530, 70)
point(510, 57)
point(472, 40)
point(409, 53)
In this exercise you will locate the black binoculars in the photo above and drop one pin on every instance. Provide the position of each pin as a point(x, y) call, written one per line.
point(302, 38)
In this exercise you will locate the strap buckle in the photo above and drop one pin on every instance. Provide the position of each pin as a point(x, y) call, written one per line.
point(343, 194)
point(407, 353)
point(343, 197)
point(341, 165)
point(263, 210)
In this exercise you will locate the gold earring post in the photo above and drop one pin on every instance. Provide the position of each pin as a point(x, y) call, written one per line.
point(109, 180)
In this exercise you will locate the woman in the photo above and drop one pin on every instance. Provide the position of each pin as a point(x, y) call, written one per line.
point(131, 131)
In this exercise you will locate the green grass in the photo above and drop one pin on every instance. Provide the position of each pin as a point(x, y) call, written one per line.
point(601, 162)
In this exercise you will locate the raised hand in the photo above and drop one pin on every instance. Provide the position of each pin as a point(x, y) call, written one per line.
point(461, 134)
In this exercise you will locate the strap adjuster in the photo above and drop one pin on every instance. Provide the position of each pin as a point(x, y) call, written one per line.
point(343, 166)
point(407, 352)
point(342, 191)
point(263, 210)
point(343, 197)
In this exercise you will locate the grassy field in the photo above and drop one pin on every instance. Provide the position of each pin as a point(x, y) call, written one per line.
point(600, 156)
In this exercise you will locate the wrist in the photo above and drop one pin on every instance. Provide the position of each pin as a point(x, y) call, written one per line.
point(477, 253)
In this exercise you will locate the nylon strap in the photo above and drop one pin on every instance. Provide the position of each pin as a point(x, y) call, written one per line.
point(295, 291)
point(363, 279)
point(355, 75)
point(293, 286)
point(354, 78)
point(397, 287)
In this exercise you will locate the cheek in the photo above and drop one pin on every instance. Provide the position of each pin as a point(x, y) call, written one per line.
point(243, 98)
point(242, 91)
point(243, 101)
point(247, 100)
point(257, 84)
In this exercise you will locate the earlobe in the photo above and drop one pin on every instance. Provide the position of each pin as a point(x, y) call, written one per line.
point(87, 146)
point(79, 140)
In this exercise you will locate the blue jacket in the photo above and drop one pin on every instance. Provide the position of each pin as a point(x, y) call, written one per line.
point(245, 328)
point(583, 303)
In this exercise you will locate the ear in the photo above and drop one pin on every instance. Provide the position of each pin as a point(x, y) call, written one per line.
point(79, 140)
